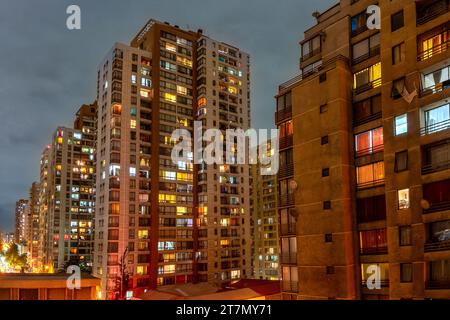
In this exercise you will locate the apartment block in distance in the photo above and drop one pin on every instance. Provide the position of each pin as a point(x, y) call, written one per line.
point(21, 216)
point(170, 223)
point(264, 224)
point(33, 227)
point(69, 173)
point(368, 120)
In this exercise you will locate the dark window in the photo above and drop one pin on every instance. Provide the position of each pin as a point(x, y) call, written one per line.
point(323, 108)
point(367, 110)
point(406, 270)
point(323, 77)
point(397, 21)
point(401, 161)
point(405, 236)
point(327, 205)
point(398, 53)
point(371, 209)
point(330, 270)
point(325, 172)
point(324, 140)
point(328, 237)
point(398, 86)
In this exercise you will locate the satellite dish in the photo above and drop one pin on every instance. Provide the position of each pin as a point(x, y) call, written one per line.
point(293, 185)
point(424, 204)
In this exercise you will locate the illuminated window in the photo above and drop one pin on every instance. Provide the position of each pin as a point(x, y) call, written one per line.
point(133, 79)
point(141, 270)
point(146, 82)
point(403, 199)
point(181, 90)
point(170, 97)
point(171, 47)
point(132, 172)
point(202, 102)
point(367, 76)
point(77, 136)
point(143, 234)
point(145, 93)
point(184, 61)
point(133, 124)
point(370, 174)
point(232, 90)
point(168, 175)
point(401, 124)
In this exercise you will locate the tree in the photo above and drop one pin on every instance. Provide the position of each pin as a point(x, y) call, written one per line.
point(75, 261)
point(14, 258)
point(123, 278)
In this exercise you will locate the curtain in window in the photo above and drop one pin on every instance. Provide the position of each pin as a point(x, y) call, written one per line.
point(439, 155)
point(363, 143)
point(440, 270)
point(406, 272)
point(360, 49)
point(436, 116)
point(437, 191)
point(373, 239)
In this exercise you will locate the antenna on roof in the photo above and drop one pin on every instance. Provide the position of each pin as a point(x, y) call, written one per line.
point(316, 14)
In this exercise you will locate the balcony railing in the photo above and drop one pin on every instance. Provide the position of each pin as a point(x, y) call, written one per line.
point(436, 207)
point(310, 54)
point(367, 86)
point(370, 184)
point(435, 127)
point(286, 170)
point(286, 200)
point(286, 142)
point(427, 54)
point(370, 150)
point(434, 167)
point(437, 246)
point(384, 283)
point(374, 116)
point(432, 12)
point(439, 87)
point(283, 114)
point(288, 258)
point(287, 229)
point(373, 251)
point(437, 284)
point(289, 286)
point(372, 53)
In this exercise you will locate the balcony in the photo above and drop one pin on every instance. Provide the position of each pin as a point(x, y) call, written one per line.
point(436, 207)
point(437, 246)
point(367, 86)
point(374, 251)
point(435, 127)
point(371, 53)
point(435, 167)
point(310, 54)
point(286, 171)
point(437, 284)
point(286, 200)
point(384, 283)
point(437, 49)
point(428, 12)
point(283, 114)
point(287, 229)
point(370, 150)
point(289, 286)
point(288, 258)
point(439, 87)
point(370, 184)
point(286, 142)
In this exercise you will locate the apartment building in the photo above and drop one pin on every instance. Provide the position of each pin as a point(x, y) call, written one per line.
point(264, 225)
point(44, 198)
point(34, 259)
point(21, 215)
point(183, 231)
point(368, 122)
point(69, 173)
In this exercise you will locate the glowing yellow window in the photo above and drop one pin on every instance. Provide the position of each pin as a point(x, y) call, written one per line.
point(224, 242)
point(171, 47)
point(203, 210)
point(170, 97)
point(145, 93)
point(232, 90)
point(133, 124)
point(181, 211)
point(375, 73)
point(184, 61)
point(182, 90)
point(141, 270)
point(143, 234)
point(170, 268)
point(60, 140)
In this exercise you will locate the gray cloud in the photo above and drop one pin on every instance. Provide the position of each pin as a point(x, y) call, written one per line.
point(47, 71)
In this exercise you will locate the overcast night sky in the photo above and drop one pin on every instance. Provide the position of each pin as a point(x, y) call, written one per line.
point(47, 71)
